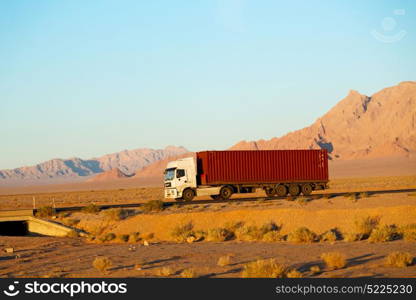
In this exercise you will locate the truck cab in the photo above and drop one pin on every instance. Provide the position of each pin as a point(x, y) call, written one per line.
point(180, 175)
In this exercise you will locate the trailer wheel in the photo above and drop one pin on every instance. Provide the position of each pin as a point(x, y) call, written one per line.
point(188, 194)
point(294, 190)
point(270, 192)
point(306, 189)
point(281, 190)
point(226, 192)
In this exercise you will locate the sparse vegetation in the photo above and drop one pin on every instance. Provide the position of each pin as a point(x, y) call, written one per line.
point(218, 235)
point(116, 214)
point(254, 233)
point(399, 259)
point(364, 195)
point(334, 260)
point(264, 268)
point(188, 273)
point(91, 209)
point(365, 226)
point(134, 237)
point(181, 232)
point(302, 235)
point(153, 206)
point(102, 263)
point(107, 237)
point(384, 233)
point(408, 232)
point(123, 238)
point(315, 270)
point(224, 260)
point(331, 236)
point(165, 271)
point(294, 274)
point(45, 212)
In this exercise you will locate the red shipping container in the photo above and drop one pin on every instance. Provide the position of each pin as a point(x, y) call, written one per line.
point(262, 166)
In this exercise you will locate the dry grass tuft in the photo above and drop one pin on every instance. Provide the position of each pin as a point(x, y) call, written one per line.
point(315, 270)
point(331, 236)
point(107, 237)
point(124, 238)
point(181, 232)
point(264, 268)
point(165, 271)
point(102, 263)
point(399, 259)
point(334, 260)
point(294, 274)
point(302, 235)
point(365, 226)
point(351, 237)
point(134, 237)
point(384, 233)
point(188, 273)
point(224, 260)
point(218, 235)
point(116, 214)
point(153, 206)
point(267, 232)
point(408, 232)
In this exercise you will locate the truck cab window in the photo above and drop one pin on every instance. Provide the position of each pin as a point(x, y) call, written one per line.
point(180, 173)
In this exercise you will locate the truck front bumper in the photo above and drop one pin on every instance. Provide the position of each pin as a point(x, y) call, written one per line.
point(171, 193)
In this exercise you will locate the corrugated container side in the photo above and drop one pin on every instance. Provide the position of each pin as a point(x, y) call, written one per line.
point(262, 166)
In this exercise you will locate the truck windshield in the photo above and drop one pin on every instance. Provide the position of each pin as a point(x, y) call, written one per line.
point(169, 174)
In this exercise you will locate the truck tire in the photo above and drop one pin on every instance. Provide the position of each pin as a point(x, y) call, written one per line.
point(226, 192)
point(188, 194)
point(270, 192)
point(294, 190)
point(281, 190)
point(306, 189)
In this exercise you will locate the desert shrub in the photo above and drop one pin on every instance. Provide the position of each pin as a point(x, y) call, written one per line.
point(153, 206)
point(384, 233)
point(264, 268)
point(134, 237)
point(302, 235)
point(188, 273)
point(364, 195)
point(365, 226)
point(408, 232)
point(351, 237)
point(123, 238)
point(315, 270)
point(399, 259)
point(90, 209)
point(102, 263)
point(294, 274)
point(181, 232)
point(224, 260)
point(45, 211)
point(254, 233)
point(331, 235)
point(272, 236)
point(334, 260)
point(116, 214)
point(218, 235)
point(165, 271)
point(107, 237)
point(233, 225)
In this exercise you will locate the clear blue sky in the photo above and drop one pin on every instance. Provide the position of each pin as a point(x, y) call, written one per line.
point(86, 78)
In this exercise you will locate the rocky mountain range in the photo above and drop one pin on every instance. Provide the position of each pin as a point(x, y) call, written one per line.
point(127, 162)
point(357, 127)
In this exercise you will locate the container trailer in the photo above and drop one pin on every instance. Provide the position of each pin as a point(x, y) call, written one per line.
point(220, 174)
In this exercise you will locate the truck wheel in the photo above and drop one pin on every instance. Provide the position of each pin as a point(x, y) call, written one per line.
point(188, 194)
point(270, 192)
point(306, 189)
point(281, 190)
point(294, 190)
point(226, 192)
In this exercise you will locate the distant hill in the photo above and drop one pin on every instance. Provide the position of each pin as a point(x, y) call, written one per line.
point(358, 127)
point(113, 174)
point(127, 162)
